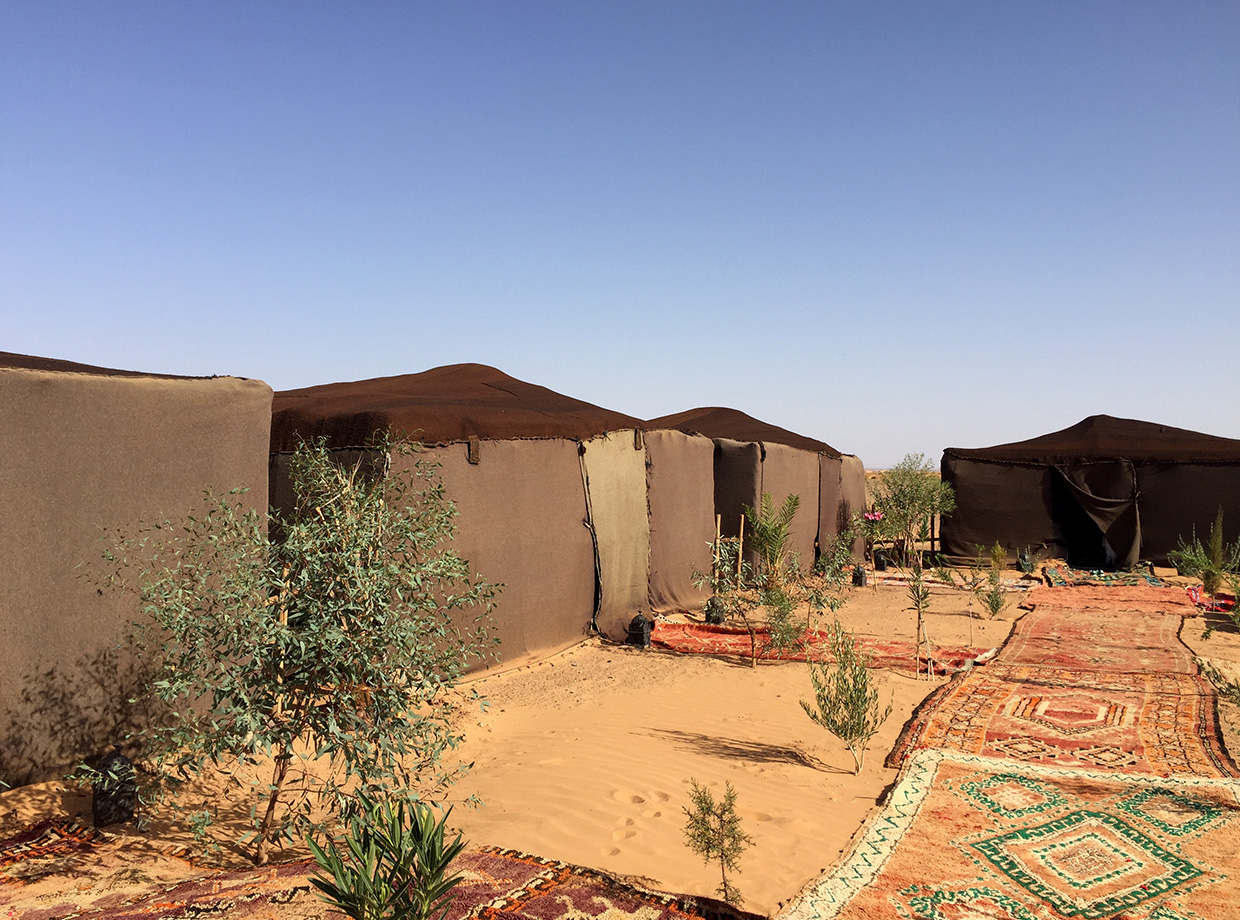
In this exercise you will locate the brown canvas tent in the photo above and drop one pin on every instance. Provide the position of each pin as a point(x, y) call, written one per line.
point(85, 448)
point(550, 490)
point(1104, 492)
point(752, 457)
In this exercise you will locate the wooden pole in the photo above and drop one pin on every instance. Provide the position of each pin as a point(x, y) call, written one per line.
point(740, 548)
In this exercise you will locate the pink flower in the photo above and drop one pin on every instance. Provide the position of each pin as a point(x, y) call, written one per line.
point(873, 515)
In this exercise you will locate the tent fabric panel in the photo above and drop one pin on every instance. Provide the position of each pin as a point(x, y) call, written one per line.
point(852, 495)
point(85, 451)
point(1175, 498)
point(1004, 502)
point(788, 471)
point(733, 425)
point(615, 469)
point(521, 521)
point(738, 481)
point(680, 484)
point(1107, 492)
point(439, 406)
point(1102, 437)
point(833, 518)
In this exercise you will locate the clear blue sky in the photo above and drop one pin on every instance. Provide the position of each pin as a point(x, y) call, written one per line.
point(892, 226)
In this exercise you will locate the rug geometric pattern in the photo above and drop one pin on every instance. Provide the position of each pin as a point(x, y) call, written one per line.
point(1134, 722)
point(494, 882)
point(1080, 774)
point(964, 836)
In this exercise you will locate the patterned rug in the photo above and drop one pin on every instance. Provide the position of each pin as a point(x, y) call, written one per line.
point(973, 837)
point(731, 641)
point(1145, 598)
point(1061, 575)
point(1129, 722)
point(1103, 640)
point(495, 882)
point(1218, 603)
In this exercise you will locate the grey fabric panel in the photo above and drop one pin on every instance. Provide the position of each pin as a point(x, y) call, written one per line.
point(1178, 497)
point(1009, 503)
point(833, 517)
point(616, 480)
point(680, 484)
point(788, 471)
point(521, 521)
point(852, 494)
point(84, 452)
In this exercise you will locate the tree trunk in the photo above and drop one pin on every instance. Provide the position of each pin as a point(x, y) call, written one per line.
point(261, 851)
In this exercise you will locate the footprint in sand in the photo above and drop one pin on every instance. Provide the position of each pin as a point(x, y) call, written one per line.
point(651, 813)
point(610, 851)
point(625, 833)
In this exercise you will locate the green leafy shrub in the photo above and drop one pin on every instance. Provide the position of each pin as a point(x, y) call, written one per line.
point(713, 831)
point(1213, 562)
point(845, 698)
point(327, 656)
point(907, 497)
point(391, 865)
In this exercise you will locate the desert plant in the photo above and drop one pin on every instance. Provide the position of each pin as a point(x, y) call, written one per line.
point(713, 831)
point(1213, 562)
point(770, 535)
point(919, 596)
point(845, 698)
point(327, 656)
point(908, 496)
point(392, 864)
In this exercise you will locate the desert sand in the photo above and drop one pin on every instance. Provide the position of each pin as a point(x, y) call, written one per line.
point(587, 756)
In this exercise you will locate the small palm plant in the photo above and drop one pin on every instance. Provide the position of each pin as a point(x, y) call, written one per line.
point(770, 535)
point(845, 698)
point(392, 864)
point(713, 831)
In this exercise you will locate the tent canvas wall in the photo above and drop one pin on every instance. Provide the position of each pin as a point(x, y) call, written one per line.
point(87, 448)
point(752, 457)
point(680, 484)
point(1106, 491)
point(524, 513)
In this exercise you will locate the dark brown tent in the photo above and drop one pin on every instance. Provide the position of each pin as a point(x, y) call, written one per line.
point(85, 448)
point(752, 457)
point(1104, 492)
point(550, 490)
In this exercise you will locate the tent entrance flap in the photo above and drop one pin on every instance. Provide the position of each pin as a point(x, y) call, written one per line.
point(1097, 512)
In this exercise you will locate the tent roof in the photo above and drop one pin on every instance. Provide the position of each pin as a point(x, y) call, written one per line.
point(445, 404)
point(1101, 437)
point(718, 422)
point(55, 365)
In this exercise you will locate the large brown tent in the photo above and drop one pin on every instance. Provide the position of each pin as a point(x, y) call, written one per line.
point(752, 457)
point(87, 448)
point(1104, 492)
point(550, 490)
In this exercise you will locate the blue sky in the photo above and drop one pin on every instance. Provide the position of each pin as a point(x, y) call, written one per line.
point(893, 226)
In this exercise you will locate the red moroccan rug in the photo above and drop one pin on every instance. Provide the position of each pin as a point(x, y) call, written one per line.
point(1130, 722)
point(1104, 640)
point(496, 882)
point(1121, 597)
point(731, 641)
point(965, 838)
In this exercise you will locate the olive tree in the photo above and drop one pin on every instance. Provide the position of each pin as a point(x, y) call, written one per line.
point(907, 497)
point(319, 664)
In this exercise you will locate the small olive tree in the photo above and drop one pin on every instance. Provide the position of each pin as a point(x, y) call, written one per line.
point(325, 657)
point(908, 496)
point(845, 698)
point(713, 831)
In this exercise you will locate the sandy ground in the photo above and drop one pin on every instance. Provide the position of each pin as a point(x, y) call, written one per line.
point(588, 756)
